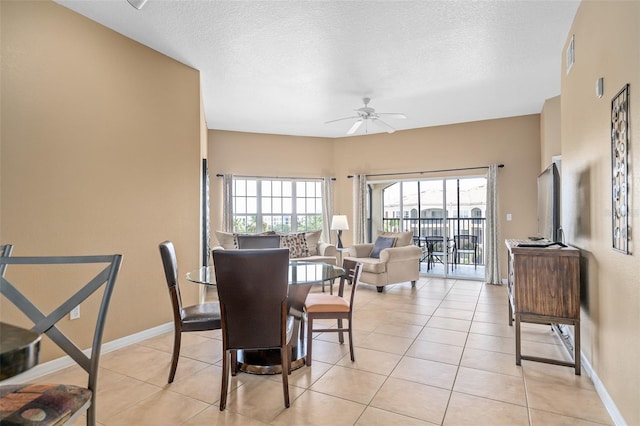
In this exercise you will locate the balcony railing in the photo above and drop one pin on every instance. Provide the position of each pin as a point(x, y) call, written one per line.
point(427, 227)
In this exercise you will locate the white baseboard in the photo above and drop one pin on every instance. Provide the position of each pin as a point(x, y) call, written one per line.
point(606, 399)
point(611, 407)
point(66, 361)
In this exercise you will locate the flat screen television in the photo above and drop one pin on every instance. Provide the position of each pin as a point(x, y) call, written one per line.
point(549, 204)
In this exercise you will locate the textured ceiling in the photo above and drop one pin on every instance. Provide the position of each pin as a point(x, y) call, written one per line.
point(286, 67)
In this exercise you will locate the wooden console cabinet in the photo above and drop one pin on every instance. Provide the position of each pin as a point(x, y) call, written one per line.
point(544, 288)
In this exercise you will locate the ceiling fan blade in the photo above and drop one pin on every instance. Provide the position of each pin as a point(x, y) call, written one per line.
point(383, 125)
point(392, 114)
point(355, 127)
point(340, 119)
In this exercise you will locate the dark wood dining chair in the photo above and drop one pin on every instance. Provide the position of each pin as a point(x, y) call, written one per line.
point(199, 317)
point(252, 289)
point(327, 306)
point(35, 403)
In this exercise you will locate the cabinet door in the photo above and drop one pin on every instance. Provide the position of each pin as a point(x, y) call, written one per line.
point(547, 285)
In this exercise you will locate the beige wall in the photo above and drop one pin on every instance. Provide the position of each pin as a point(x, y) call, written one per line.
point(100, 152)
point(550, 120)
point(514, 142)
point(606, 45)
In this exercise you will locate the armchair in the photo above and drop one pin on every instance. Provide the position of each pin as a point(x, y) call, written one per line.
point(396, 264)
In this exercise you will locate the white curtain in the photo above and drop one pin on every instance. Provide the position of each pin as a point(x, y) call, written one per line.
point(492, 269)
point(227, 203)
point(327, 208)
point(359, 208)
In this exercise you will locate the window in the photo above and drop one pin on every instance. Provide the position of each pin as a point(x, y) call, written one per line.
point(281, 205)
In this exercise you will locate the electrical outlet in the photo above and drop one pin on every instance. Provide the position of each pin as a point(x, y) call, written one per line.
point(75, 313)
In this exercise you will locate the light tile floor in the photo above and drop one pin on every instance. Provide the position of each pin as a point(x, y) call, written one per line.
point(438, 354)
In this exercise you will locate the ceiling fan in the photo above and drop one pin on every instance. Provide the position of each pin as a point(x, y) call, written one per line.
point(366, 114)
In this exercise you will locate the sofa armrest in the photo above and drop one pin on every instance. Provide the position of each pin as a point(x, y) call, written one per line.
point(360, 250)
point(326, 249)
point(399, 254)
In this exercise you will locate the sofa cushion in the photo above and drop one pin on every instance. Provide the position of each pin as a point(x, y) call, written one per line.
point(313, 238)
point(381, 244)
point(402, 238)
point(369, 264)
point(227, 240)
point(296, 243)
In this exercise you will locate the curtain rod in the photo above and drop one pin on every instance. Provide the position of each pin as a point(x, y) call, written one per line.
point(428, 171)
point(273, 177)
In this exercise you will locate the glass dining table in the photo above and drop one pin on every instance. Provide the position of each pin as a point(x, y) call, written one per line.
point(302, 276)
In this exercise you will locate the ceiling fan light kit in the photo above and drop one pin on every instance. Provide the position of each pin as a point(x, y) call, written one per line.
point(138, 4)
point(365, 114)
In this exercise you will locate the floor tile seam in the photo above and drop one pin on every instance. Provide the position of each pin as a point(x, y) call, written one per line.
point(196, 415)
point(396, 413)
point(526, 404)
point(339, 397)
point(491, 399)
point(130, 405)
point(569, 416)
point(580, 387)
point(148, 397)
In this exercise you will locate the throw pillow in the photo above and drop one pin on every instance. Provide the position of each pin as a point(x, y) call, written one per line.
point(227, 240)
point(313, 238)
point(296, 243)
point(402, 238)
point(380, 244)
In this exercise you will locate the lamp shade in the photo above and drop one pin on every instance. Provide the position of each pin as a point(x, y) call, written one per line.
point(339, 222)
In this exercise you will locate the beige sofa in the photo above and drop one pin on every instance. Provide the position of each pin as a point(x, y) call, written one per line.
point(396, 264)
point(303, 246)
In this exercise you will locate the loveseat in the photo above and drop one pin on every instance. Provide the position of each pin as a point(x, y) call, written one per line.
point(303, 246)
point(391, 259)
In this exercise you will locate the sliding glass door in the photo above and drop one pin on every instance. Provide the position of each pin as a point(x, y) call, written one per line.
point(447, 219)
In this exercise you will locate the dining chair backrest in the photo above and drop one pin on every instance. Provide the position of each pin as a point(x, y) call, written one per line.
point(170, 264)
point(351, 275)
point(258, 241)
point(5, 250)
point(107, 267)
point(466, 242)
point(252, 290)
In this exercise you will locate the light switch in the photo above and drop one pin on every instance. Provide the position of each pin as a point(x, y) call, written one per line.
point(509, 217)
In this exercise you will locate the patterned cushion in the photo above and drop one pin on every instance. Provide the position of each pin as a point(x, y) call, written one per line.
point(313, 238)
point(227, 240)
point(41, 404)
point(296, 243)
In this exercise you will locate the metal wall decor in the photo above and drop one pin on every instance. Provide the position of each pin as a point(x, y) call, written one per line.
point(620, 170)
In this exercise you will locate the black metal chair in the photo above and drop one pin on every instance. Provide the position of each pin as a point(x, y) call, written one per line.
point(252, 289)
point(466, 245)
point(437, 248)
point(59, 403)
point(200, 317)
